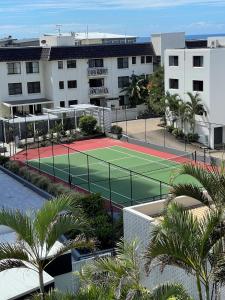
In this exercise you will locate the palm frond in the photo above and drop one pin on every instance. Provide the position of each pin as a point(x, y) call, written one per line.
point(169, 290)
point(48, 214)
point(19, 223)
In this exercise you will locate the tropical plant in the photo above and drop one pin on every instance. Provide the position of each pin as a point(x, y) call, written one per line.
point(119, 277)
point(87, 124)
point(183, 240)
point(135, 90)
point(38, 233)
point(194, 107)
point(210, 189)
point(156, 93)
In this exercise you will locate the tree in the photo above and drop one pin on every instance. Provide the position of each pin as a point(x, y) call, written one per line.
point(194, 107)
point(181, 239)
point(87, 124)
point(135, 90)
point(37, 235)
point(119, 278)
point(156, 98)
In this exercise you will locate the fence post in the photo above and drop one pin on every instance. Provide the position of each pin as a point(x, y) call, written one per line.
point(69, 179)
point(195, 156)
point(131, 189)
point(160, 187)
point(164, 137)
point(116, 118)
point(110, 201)
point(39, 160)
point(53, 161)
point(145, 130)
point(88, 172)
point(126, 120)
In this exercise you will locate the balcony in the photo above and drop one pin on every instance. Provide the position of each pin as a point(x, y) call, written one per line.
point(93, 72)
point(98, 91)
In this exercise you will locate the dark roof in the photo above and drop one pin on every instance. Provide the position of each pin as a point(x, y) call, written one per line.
point(20, 54)
point(196, 44)
point(100, 51)
point(27, 102)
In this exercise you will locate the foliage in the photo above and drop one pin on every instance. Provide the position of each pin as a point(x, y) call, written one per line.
point(136, 90)
point(119, 277)
point(156, 98)
point(194, 107)
point(170, 128)
point(183, 240)
point(192, 137)
point(3, 159)
point(178, 133)
point(115, 129)
point(38, 233)
point(87, 124)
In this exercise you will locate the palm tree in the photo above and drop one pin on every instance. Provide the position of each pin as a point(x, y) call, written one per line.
point(194, 107)
point(181, 239)
point(211, 188)
point(135, 89)
point(38, 233)
point(119, 277)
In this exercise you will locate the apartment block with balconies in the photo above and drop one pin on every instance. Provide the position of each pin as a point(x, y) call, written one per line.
point(202, 71)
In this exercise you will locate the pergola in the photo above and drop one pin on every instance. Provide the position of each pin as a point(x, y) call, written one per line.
point(26, 102)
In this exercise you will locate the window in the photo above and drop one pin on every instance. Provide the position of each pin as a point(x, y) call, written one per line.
point(61, 85)
point(197, 85)
point(71, 84)
point(122, 63)
point(98, 82)
point(14, 68)
point(197, 61)
point(134, 59)
point(33, 87)
point(71, 64)
point(73, 102)
point(95, 63)
point(174, 84)
point(32, 67)
point(60, 64)
point(15, 88)
point(142, 59)
point(173, 61)
point(123, 81)
point(148, 59)
point(62, 103)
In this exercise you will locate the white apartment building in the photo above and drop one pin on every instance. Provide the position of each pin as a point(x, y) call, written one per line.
point(60, 76)
point(201, 70)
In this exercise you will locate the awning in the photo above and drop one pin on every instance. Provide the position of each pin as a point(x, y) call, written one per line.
point(27, 102)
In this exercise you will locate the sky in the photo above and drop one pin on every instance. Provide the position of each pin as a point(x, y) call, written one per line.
point(31, 18)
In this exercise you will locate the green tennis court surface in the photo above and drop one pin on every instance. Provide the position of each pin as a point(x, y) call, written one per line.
point(125, 176)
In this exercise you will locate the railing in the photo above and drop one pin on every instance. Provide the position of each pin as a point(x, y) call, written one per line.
point(95, 91)
point(97, 71)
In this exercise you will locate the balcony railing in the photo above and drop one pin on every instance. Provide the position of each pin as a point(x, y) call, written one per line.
point(97, 71)
point(96, 91)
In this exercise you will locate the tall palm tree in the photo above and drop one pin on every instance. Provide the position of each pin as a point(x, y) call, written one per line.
point(135, 89)
point(181, 239)
point(194, 107)
point(119, 276)
point(37, 235)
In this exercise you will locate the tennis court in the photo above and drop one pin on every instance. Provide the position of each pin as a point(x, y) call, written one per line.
point(126, 176)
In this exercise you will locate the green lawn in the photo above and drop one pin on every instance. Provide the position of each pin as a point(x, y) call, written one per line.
point(115, 180)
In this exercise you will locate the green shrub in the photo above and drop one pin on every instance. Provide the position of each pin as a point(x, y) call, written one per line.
point(115, 129)
point(87, 125)
point(192, 137)
point(3, 160)
point(92, 204)
point(13, 166)
point(170, 128)
point(178, 133)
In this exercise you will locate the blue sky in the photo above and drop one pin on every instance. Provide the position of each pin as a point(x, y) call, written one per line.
point(30, 18)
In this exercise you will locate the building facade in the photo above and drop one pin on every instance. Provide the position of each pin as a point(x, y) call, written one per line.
point(200, 70)
point(60, 76)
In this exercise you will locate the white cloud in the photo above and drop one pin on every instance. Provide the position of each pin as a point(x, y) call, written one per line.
point(21, 5)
